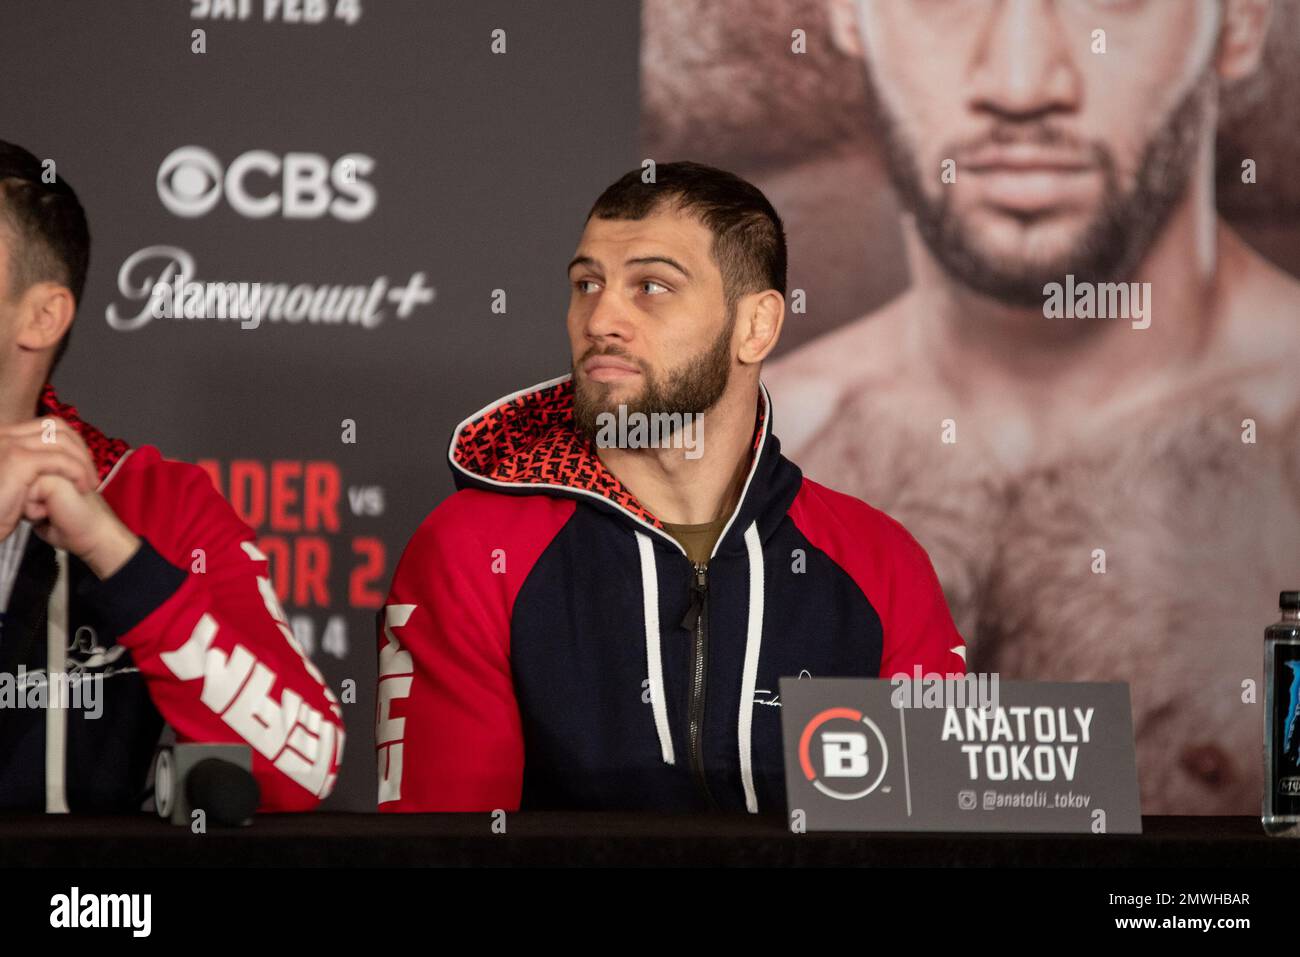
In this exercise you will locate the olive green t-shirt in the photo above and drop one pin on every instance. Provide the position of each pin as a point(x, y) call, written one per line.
point(698, 540)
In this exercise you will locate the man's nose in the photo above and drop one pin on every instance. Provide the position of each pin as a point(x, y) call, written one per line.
point(1023, 65)
point(608, 318)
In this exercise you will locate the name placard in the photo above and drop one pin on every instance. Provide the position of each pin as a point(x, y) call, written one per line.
point(938, 754)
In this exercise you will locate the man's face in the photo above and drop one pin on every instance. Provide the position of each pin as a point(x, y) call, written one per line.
point(647, 324)
point(1066, 160)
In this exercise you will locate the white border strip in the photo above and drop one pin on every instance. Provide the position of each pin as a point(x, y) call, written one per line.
point(56, 666)
point(56, 715)
point(654, 661)
point(113, 471)
point(749, 677)
point(753, 468)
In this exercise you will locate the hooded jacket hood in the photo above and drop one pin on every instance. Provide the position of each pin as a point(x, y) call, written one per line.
point(525, 443)
point(105, 451)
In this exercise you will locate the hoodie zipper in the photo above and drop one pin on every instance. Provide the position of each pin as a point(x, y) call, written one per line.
point(699, 659)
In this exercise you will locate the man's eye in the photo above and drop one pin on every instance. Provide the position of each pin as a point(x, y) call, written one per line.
point(651, 282)
point(578, 284)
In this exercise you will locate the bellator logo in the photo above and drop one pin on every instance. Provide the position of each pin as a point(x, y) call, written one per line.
point(843, 754)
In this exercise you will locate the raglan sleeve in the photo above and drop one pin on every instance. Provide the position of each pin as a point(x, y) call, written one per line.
point(448, 731)
point(195, 607)
point(919, 629)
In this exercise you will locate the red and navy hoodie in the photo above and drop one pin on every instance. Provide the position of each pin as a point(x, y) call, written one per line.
point(188, 632)
point(547, 644)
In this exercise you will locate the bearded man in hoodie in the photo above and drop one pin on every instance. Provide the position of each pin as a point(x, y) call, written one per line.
point(594, 620)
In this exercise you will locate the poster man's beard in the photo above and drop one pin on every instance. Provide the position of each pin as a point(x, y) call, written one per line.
point(694, 388)
point(1108, 248)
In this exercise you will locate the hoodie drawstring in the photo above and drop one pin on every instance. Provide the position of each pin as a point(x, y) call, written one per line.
point(56, 658)
point(749, 675)
point(654, 662)
point(56, 715)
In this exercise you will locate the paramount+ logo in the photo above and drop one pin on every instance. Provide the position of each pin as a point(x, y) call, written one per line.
point(259, 184)
point(843, 754)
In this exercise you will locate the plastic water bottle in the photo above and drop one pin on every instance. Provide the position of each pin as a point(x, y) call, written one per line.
point(1282, 720)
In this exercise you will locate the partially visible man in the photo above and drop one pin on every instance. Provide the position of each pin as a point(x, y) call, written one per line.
point(131, 594)
point(1106, 497)
point(598, 618)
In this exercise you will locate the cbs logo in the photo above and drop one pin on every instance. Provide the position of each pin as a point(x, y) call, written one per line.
point(259, 184)
point(843, 753)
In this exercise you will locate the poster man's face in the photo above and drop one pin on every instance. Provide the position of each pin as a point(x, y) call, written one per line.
point(1060, 158)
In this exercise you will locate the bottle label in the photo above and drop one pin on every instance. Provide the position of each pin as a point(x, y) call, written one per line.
point(1284, 748)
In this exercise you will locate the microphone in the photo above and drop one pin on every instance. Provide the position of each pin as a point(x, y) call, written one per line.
point(214, 778)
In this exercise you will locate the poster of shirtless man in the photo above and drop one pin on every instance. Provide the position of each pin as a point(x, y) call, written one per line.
point(1047, 252)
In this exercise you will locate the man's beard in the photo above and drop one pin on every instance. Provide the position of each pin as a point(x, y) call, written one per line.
point(1108, 248)
point(692, 389)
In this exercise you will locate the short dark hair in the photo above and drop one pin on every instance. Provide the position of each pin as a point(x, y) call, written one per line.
point(51, 240)
point(748, 238)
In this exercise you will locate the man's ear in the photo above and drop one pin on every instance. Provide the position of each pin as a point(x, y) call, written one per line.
point(843, 17)
point(1242, 37)
point(45, 312)
point(761, 317)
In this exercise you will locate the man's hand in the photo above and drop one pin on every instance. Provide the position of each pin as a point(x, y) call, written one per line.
point(48, 476)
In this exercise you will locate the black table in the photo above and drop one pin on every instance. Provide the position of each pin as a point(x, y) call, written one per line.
point(554, 838)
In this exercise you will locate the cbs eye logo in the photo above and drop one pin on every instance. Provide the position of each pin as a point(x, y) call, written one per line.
point(191, 182)
point(850, 751)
